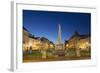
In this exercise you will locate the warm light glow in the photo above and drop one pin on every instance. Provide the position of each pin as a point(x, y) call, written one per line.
point(66, 45)
point(87, 43)
point(51, 46)
point(30, 44)
point(84, 45)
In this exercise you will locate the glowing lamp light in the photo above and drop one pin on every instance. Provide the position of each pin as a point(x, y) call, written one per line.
point(87, 43)
point(66, 45)
point(30, 44)
point(51, 45)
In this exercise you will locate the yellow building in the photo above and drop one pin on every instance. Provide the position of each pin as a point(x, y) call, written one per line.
point(82, 42)
point(35, 43)
point(51, 45)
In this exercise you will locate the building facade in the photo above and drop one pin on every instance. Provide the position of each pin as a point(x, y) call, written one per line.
point(82, 42)
point(35, 43)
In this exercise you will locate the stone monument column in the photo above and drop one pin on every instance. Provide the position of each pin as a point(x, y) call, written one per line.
point(59, 45)
point(59, 34)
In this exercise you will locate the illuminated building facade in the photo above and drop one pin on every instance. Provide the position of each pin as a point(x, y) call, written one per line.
point(35, 43)
point(82, 42)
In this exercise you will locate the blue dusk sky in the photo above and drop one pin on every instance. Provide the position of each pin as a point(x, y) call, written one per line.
point(45, 23)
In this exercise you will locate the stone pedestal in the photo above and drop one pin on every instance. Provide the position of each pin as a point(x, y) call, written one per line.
point(78, 52)
point(43, 54)
point(59, 47)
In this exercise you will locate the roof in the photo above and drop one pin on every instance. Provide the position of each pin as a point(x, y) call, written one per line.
point(81, 36)
point(25, 29)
